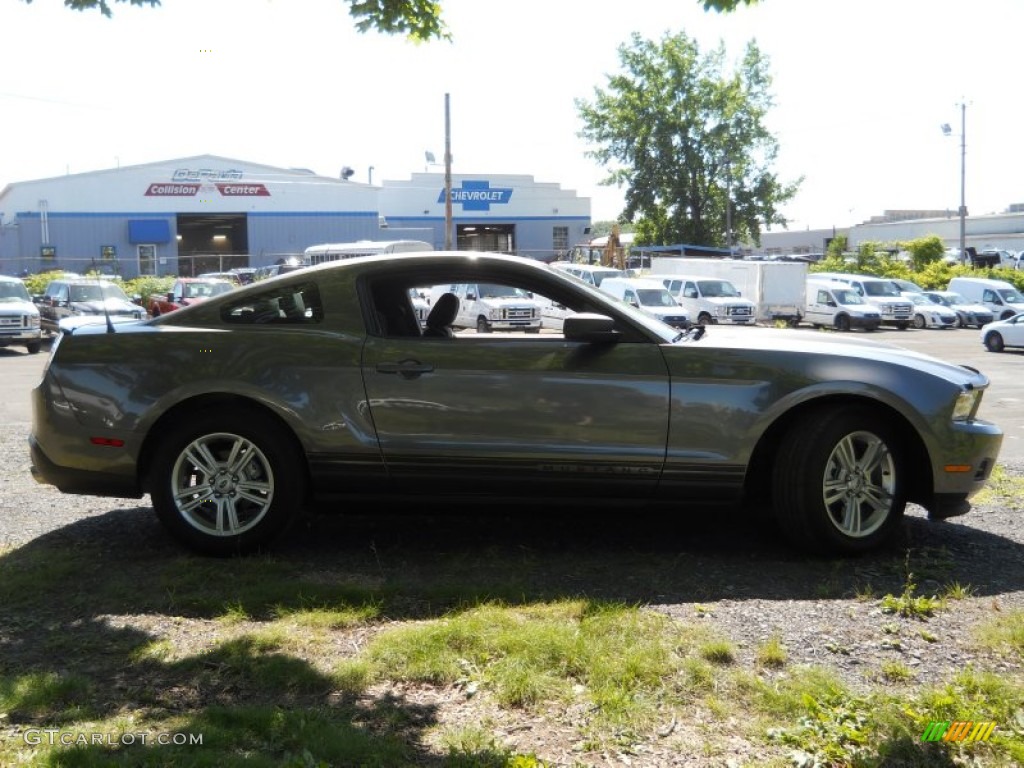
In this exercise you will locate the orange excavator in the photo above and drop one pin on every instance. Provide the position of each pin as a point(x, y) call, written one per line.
point(614, 254)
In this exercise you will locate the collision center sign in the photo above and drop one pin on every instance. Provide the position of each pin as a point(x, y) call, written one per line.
point(187, 182)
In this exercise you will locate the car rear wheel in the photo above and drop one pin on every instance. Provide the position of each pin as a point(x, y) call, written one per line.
point(226, 483)
point(994, 342)
point(838, 483)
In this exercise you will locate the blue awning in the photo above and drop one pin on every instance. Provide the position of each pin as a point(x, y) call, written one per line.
point(149, 231)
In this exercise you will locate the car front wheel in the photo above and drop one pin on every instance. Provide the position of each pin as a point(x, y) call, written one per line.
point(920, 322)
point(994, 342)
point(226, 483)
point(482, 326)
point(839, 482)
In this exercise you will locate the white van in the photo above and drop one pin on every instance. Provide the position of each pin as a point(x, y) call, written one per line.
point(592, 274)
point(998, 296)
point(19, 317)
point(833, 304)
point(490, 307)
point(648, 295)
point(896, 308)
point(709, 299)
point(318, 254)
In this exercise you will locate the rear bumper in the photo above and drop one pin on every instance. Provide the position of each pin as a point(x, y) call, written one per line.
point(69, 480)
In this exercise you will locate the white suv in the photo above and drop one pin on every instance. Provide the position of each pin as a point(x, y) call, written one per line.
point(19, 317)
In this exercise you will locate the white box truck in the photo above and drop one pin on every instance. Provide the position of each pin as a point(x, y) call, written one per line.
point(778, 288)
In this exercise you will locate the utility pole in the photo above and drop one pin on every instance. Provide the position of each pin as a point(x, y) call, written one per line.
point(963, 180)
point(447, 176)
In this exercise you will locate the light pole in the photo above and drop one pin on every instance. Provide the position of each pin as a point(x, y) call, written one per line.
point(963, 176)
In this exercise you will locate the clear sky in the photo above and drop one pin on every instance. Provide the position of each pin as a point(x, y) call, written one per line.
point(861, 90)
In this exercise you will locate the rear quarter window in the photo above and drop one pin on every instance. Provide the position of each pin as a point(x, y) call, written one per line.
point(296, 304)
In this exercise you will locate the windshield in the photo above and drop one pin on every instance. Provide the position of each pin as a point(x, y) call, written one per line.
point(205, 290)
point(96, 292)
point(13, 292)
point(655, 297)
point(490, 291)
point(715, 288)
point(847, 296)
point(1011, 295)
point(601, 275)
point(881, 288)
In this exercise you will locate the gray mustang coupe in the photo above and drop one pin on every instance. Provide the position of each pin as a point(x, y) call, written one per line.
point(320, 390)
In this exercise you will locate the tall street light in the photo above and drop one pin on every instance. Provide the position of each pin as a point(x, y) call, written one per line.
point(947, 130)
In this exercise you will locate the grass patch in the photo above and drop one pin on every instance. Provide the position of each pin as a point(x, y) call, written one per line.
point(1004, 634)
point(772, 653)
point(1001, 488)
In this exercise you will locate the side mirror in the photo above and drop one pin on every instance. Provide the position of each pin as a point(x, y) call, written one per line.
point(589, 327)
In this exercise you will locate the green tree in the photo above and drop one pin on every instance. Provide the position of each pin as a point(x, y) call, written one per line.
point(924, 251)
point(680, 134)
point(417, 19)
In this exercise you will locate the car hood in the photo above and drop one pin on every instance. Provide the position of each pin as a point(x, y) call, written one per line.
point(729, 301)
point(74, 323)
point(113, 306)
point(18, 304)
point(503, 301)
point(787, 341)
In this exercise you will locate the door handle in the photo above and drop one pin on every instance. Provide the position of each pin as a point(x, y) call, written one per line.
point(407, 369)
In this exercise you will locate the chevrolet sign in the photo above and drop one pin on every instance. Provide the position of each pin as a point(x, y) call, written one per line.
point(478, 195)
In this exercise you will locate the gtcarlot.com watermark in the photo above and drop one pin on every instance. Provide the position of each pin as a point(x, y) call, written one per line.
point(55, 737)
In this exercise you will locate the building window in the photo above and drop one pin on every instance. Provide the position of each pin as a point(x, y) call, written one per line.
point(147, 259)
point(560, 239)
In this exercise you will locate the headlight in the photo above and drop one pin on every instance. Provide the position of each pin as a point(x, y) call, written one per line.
point(966, 404)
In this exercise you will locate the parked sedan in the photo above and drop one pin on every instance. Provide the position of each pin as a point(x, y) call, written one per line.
point(968, 313)
point(186, 291)
point(320, 390)
point(928, 314)
point(1001, 334)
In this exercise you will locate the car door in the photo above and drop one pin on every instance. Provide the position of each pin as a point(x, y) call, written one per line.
point(1013, 331)
point(519, 415)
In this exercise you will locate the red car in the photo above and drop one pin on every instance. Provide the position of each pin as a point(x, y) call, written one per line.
point(186, 291)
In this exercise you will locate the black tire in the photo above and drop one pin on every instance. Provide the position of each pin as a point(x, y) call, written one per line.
point(261, 496)
point(994, 342)
point(482, 326)
point(838, 481)
point(33, 347)
point(903, 326)
point(842, 323)
point(960, 322)
point(704, 319)
point(1007, 315)
point(920, 322)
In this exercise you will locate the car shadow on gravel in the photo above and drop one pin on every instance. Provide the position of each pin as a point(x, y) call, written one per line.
point(637, 558)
